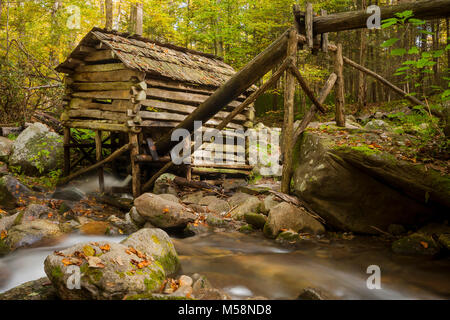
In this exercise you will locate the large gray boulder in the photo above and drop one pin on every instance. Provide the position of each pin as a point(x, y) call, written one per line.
point(157, 244)
point(288, 216)
point(358, 189)
point(11, 192)
point(250, 204)
point(5, 148)
point(40, 289)
point(215, 204)
point(107, 271)
point(163, 213)
point(37, 151)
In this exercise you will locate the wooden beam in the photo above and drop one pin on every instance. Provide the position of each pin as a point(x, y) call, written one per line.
point(66, 151)
point(135, 167)
point(98, 156)
point(425, 9)
point(309, 25)
point(109, 76)
point(96, 125)
point(340, 89)
point(306, 88)
point(113, 94)
point(110, 158)
point(288, 124)
point(324, 36)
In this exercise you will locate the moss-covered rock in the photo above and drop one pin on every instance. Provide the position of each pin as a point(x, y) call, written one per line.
point(11, 191)
point(358, 188)
point(107, 271)
point(251, 204)
point(255, 219)
point(37, 151)
point(246, 229)
point(40, 289)
point(157, 244)
point(416, 244)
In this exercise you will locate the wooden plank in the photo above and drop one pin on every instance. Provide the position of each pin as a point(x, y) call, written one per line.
point(109, 76)
point(200, 170)
point(101, 67)
point(190, 98)
point(135, 167)
point(98, 114)
point(116, 105)
point(186, 109)
point(96, 125)
point(324, 35)
point(101, 55)
point(97, 86)
point(112, 94)
point(176, 117)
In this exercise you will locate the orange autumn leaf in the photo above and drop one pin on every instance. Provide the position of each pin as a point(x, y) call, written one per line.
point(424, 244)
point(166, 210)
point(106, 247)
point(3, 234)
point(50, 215)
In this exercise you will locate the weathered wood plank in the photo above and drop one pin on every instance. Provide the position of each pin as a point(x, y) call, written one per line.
point(100, 55)
point(98, 114)
point(96, 125)
point(101, 67)
point(186, 109)
point(116, 105)
point(109, 76)
point(112, 94)
point(190, 98)
point(97, 86)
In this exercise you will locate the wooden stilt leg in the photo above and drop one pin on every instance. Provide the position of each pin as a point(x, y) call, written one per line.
point(288, 126)
point(136, 171)
point(340, 89)
point(66, 151)
point(98, 156)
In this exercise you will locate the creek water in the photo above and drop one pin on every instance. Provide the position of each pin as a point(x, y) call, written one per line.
point(245, 266)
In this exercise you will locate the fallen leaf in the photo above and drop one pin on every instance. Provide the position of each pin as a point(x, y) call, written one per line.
point(106, 247)
point(89, 251)
point(71, 261)
point(3, 234)
point(424, 244)
point(95, 262)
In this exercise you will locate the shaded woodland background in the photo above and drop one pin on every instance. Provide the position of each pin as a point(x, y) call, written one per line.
point(35, 36)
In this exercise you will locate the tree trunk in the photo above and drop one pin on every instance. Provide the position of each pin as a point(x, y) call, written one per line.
point(340, 89)
point(109, 14)
point(362, 87)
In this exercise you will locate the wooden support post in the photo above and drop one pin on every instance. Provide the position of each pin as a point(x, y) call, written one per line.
point(98, 157)
point(135, 168)
point(340, 89)
point(309, 25)
point(110, 158)
point(136, 19)
point(66, 151)
point(324, 35)
point(288, 125)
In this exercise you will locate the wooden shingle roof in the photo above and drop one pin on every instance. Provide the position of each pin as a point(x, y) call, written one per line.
point(154, 58)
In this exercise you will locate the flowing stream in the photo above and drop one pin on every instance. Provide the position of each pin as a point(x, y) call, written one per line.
point(245, 266)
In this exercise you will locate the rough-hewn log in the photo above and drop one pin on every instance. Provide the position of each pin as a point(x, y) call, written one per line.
point(96, 125)
point(306, 88)
point(110, 158)
point(340, 89)
point(109, 76)
point(410, 98)
point(66, 152)
point(101, 67)
point(98, 114)
point(135, 167)
point(98, 157)
point(100, 86)
point(289, 96)
point(232, 89)
point(427, 9)
point(312, 111)
point(182, 182)
point(200, 170)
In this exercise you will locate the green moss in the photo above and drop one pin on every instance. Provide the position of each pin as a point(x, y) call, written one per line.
point(4, 248)
point(246, 229)
point(57, 272)
point(155, 239)
point(155, 279)
point(169, 262)
point(18, 219)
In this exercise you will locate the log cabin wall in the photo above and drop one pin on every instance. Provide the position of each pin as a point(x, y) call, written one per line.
point(118, 83)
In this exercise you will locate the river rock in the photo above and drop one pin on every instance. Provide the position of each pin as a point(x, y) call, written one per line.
point(69, 194)
point(288, 216)
point(251, 204)
point(7, 222)
point(35, 211)
point(312, 294)
point(37, 151)
point(194, 229)
point(215, 204)
point(40, 289)
point(268, 203)
point(354, 189)
point(256, 220)
point(238, 199)
point(5, 148)
point(108, 271)
point(3, 169)
point(128, 227)
point(163, 213)
point(164, 185)
point(31, 233)
point(136, 217)
point(11, 191)
point(377, 125)
point(192, 198)
point(156, 243)
point(416, 244)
